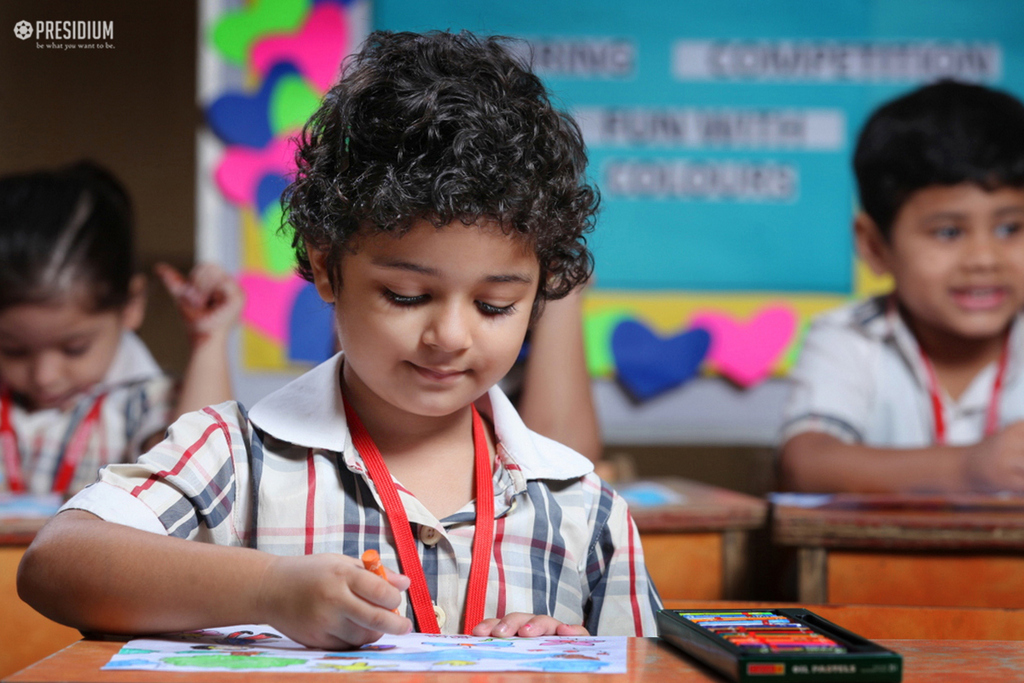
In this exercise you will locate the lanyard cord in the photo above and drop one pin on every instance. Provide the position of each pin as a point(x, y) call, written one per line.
point(483, 536)
point(76, 445)
point(992, 412)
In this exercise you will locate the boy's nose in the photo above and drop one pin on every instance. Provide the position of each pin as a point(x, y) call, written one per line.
point(46, 370)
point(983, 251)
point(448, 329)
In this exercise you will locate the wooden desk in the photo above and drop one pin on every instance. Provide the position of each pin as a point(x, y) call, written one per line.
point(697, 549)
point(650, 661)
point(955, 551)
point(26, 635)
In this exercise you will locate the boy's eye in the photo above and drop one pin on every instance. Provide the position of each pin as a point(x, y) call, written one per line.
point(14, 353)
point(489, 309)
point(402, 300)
point(947, 232)
point(76, 350)
point(1007, 229)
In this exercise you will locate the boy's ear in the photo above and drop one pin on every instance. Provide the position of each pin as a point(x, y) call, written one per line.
point(321, 275)
point(135, 310)
point(872, 247)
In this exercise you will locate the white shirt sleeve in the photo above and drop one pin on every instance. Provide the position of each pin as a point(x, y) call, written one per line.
point(113, 504)
point(833, 383)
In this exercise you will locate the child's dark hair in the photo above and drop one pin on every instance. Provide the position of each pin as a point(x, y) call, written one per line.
point(65, 233)
point(946, 133)
point(443, 127)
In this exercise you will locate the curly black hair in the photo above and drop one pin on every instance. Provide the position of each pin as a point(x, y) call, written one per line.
point(442, 126)
point(945, 133)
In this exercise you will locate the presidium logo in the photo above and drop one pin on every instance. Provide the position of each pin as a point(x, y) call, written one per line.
point(68, 35)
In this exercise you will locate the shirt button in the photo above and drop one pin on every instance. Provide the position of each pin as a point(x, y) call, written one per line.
point(441, 618)
point(429, 535)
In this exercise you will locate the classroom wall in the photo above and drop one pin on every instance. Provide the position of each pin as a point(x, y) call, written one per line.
point(130, 107)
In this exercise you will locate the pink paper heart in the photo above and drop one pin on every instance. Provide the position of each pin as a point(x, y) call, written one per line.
point(745, 352)
point(240, 170)
point(268, 303)
point(316, 50)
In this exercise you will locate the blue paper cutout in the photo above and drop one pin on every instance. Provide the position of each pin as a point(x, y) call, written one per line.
point(648, 365)
point(310, 327)
point(269, 191)
point(244, 118)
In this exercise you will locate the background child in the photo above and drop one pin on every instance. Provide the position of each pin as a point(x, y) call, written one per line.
point(440, 200)
point(78, 389)
point(923, 390)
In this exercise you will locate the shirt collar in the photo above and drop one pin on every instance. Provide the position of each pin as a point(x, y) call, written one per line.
point(132, 362)
point(890, 325)
point(309, 411)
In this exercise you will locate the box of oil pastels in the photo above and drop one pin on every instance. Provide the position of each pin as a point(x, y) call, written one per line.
point(778, 645)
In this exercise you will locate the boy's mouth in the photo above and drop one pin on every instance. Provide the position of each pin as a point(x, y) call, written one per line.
point(979, 298)
point(439, 374)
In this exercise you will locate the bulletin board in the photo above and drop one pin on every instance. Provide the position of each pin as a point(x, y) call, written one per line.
point(719, 134)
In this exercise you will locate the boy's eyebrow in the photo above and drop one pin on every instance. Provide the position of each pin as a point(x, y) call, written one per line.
point(425, 270)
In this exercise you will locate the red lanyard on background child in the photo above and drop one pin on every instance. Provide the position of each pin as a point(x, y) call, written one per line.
point(991, 415)
point(74, 449)
point(483, 536)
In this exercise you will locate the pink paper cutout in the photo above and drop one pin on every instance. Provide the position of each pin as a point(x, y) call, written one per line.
point(316, 50)
point(240, 170)
point(745, 352)
point(268, 303)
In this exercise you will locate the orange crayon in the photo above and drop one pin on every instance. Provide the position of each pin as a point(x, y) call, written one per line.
point(371, 560)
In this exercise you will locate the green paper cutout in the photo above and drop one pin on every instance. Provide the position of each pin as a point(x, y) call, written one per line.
point(277, 247)
point(597, 340)
point(245, 661)
point(235, 33)
point(291, 104)
point(796, 345)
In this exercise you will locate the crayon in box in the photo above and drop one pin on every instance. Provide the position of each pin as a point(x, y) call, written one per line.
point(778, 645)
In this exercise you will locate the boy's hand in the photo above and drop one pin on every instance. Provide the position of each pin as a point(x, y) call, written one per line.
point(330, 601)
point(210, 300)
point(526, 626)
point(997, 463)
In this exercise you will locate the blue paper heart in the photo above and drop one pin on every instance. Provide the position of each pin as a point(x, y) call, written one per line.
point(310, 327)
point(243, 118)
point(269, 191)
point(648, 365)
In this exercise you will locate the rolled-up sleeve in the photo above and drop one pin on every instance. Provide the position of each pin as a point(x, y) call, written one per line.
point(194, 484)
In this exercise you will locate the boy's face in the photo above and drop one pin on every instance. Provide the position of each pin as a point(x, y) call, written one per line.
point(956, 254)
point(429, 321)
point(50, 354)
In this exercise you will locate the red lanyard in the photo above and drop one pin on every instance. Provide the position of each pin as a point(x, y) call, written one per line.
point(408, 557)
point(992, 414)
point(74, 448)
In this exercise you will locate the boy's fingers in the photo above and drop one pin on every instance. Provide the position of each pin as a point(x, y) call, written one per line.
point(485, 627)
point(571, 630)
point(170, 277)
point(540, 625)
point(510, 624)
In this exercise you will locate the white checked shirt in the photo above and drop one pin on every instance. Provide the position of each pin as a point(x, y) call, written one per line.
point(286, 479)
point(138, 404)
point(860, 378)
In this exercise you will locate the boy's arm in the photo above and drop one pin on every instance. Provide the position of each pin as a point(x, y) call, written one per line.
point(210, 302)
point(101, 576)
point(557, 400)
point(819, 462)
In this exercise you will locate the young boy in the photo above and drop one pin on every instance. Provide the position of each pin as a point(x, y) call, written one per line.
point(923, 390)
point(439, 201)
